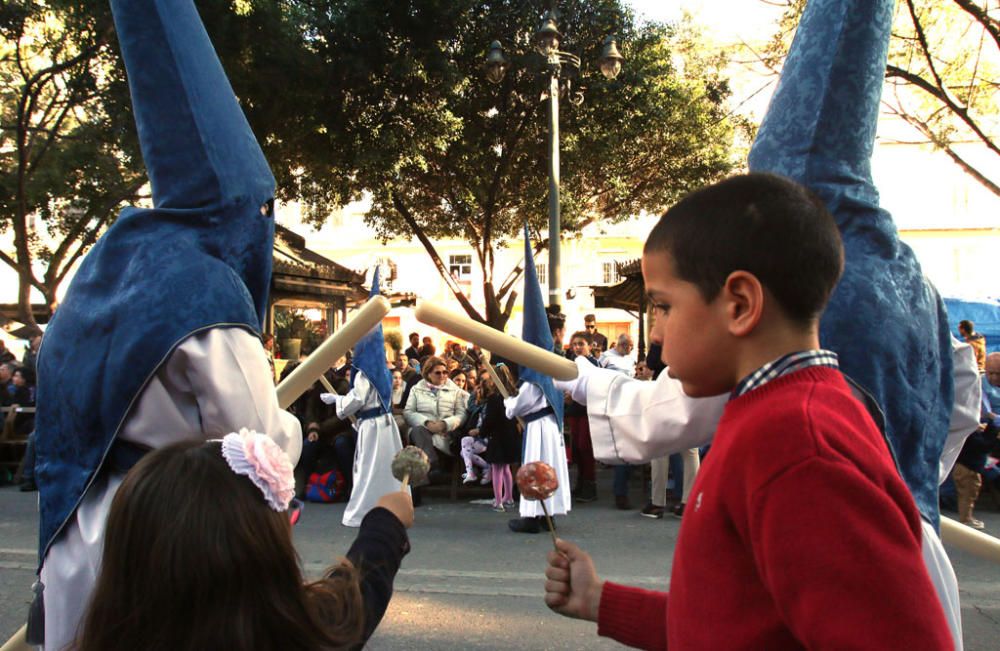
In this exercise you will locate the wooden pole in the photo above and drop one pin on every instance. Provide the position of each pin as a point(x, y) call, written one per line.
point(967, 539)
point(17, 641)
point(543, 361)
point(335, 347)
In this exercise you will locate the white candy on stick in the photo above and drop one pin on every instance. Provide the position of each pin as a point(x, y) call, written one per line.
point(410, 463)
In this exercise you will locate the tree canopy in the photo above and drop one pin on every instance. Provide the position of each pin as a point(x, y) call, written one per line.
point(351, 98)
point(402, 110)
point(68, 156)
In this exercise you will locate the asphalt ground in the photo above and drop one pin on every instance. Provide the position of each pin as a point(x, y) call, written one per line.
point(471, 584)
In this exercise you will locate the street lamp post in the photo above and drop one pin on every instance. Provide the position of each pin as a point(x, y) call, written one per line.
point(547, 43)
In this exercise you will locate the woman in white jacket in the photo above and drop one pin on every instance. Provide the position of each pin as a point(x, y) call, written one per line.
point(435, 408)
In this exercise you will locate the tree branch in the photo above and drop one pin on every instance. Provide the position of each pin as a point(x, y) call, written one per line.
point(407, 216)
point(940, 94)
point(515, 273)
point(944, 146)
point(991, 25)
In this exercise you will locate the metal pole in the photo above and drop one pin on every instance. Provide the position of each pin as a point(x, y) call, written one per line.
point(555, 277)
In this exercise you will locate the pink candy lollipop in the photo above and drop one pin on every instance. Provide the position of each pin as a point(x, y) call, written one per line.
point(537, 481)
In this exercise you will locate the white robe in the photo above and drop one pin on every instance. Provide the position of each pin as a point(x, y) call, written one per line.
point(214, 383)
point(378, 443)
point(634, 421)
point(543, 441)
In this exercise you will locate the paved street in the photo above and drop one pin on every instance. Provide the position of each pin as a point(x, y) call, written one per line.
point(470, 584)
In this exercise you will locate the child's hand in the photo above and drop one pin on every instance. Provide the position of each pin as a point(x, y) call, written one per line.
point(400, 504)
point(572, 587)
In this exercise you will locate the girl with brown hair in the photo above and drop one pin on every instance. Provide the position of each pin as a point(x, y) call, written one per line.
point(504, 448)
point(198, 554)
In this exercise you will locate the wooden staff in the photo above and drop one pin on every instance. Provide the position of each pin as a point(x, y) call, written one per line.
point(335, 347)
point(498, 384)
point(17, 641)
point(970, 540)
point(525, 354)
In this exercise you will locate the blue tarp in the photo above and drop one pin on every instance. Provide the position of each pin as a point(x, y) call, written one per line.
point(984, 313)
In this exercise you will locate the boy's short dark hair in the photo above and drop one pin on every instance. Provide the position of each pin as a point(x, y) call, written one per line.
point(583, 334)
point(765, 224)
point(966, 326)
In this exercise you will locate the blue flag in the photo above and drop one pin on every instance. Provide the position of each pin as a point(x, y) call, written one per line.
point(369, 357)
point(535, 330)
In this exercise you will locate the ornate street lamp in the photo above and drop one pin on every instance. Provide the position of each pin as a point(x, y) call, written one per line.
point(546, 41)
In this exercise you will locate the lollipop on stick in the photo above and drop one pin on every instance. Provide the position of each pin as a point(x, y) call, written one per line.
point(410, 463)
point(537, 481)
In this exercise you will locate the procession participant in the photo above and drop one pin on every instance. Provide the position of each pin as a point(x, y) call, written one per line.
point(157, 340)
point(824, 140)
point(540, 406)
point(799, 478)
point(378, 440)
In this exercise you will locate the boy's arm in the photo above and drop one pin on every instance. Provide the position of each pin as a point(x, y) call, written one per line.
point(633, 616)
point(629, 615)
point(843, 561)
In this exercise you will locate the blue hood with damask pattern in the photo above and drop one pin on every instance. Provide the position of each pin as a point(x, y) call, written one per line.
point(200, 258)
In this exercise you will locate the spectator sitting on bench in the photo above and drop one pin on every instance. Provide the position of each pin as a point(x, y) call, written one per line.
point(434, 410)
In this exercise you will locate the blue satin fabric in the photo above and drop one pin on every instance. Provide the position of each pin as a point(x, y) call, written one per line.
point(535, 330)
point(200, 258)
point(369, 356)
point(885, 321)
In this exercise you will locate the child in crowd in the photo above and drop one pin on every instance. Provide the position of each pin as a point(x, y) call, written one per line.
point(580, 345)
point(504, 446)
point(815, 540)
point(198, 555)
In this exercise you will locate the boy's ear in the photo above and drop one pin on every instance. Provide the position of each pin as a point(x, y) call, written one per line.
point(744, 302)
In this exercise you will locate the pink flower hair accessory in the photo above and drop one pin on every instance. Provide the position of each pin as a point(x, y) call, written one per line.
point(260, 459)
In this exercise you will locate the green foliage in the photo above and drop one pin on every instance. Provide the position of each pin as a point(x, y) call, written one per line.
point(352, 97)
point(66, 163)
point(393, 339)
point(400, 109)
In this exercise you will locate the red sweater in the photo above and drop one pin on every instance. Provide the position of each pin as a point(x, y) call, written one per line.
point(799, 534)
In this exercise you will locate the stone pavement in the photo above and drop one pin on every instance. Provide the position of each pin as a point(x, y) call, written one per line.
point(470, 584)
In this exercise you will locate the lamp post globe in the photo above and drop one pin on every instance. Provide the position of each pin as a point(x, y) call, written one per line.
point(496, 64)
point(547, 36)
point(610, 61)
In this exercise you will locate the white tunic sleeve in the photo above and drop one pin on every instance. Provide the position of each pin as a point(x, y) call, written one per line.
point(215, 382)
point(965, 411)
point(528, 400)
point(634, 421)
point(354, 400)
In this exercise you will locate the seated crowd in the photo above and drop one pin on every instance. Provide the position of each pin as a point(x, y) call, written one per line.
point(439, 405)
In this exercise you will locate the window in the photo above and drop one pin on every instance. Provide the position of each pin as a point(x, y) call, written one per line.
point(609, 273)
point(542, 271)
point(460, 266)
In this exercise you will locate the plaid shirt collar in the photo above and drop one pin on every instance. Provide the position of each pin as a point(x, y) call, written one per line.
point(782, 366)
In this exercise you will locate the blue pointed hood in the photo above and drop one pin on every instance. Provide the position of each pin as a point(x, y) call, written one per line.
point(886, 323)
point(369, 356)
point(201, 257)
point(535, 329)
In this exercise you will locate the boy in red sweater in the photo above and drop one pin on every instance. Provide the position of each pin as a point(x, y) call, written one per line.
point(800, 532)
